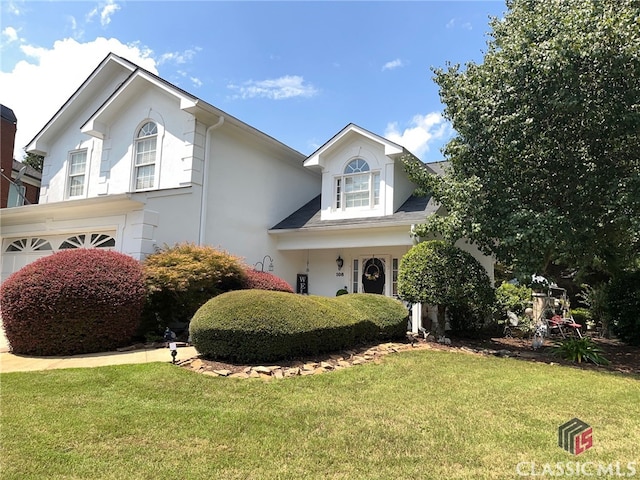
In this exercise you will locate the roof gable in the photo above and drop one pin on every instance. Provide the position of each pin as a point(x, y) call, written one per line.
point(349, 132)
point(109, 67)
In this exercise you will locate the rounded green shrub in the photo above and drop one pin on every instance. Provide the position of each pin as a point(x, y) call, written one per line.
point(71, 302)
point(437, 273)
point(581, 315)
point(182, 278)
point(623, 306)
point(263, 326)
point(387, 316)
point(514, 298)
point(265, 281)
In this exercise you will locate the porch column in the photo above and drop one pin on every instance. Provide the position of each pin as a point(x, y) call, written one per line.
point(416, 317)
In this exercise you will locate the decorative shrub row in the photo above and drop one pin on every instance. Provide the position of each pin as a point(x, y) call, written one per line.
point(74, 301)
point(256, 326)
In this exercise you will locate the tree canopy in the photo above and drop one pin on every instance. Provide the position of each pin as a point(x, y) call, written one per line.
point(545, 163)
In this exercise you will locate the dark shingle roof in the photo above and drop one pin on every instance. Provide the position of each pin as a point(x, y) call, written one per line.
point(414, 210)
point(8, 114)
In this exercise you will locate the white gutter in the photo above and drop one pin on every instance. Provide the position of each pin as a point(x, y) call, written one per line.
point(205, 181)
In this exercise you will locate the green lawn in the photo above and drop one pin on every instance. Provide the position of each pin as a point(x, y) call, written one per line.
point(423, 414)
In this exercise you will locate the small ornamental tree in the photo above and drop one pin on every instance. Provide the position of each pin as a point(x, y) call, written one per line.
point(182, 278)
point(71, 302)
point(441, 274)
point(265, 281)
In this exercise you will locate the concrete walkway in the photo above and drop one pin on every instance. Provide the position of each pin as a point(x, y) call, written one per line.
point(21, 363)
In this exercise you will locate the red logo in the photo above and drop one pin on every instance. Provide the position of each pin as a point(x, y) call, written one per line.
point(575, 436)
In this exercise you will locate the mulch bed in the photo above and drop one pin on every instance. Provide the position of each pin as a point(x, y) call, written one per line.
point(624, 358)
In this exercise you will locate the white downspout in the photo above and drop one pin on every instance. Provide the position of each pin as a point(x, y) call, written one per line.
point(205, 181)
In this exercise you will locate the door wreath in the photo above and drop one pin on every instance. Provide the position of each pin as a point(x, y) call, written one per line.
point(372, 272)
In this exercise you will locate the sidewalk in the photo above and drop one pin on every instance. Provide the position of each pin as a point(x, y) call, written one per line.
point(22, 363)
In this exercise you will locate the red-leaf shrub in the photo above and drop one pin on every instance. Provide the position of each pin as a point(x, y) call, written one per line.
point(266, 281)
point(74, 301)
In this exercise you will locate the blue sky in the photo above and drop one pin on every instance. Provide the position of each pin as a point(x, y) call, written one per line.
point(299, 71)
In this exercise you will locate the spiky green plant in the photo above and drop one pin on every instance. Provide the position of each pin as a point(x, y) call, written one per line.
point(579, 349)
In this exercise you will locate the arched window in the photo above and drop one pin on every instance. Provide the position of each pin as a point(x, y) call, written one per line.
point(145, 156)
point(358, 186)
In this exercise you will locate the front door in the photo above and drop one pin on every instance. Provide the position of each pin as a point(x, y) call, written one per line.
point(373, 278)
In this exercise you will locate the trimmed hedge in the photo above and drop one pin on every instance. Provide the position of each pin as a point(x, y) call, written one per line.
point(71, 302)
point(388, 316)
point(263, 326)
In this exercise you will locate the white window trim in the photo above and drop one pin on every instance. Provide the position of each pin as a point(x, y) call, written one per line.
point(340, 195)
point(156, 163)
point(84, 173)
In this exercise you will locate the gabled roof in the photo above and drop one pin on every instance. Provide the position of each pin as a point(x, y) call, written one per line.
point(414, 210)
point(391, 149)
point(111, 62)
point(202, 110)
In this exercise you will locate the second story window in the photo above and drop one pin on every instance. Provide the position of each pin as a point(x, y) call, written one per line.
point(358, 186)
point(77, 169)
point(145, 156)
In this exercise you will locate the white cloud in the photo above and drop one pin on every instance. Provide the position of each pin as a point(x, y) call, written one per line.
point(422, 131)
point(455, 23)
point(39, 85)
point(9, 35)
point(288, 86)
point(179, 58)
point(393, 64)
point(13, 8)
point(104, 11)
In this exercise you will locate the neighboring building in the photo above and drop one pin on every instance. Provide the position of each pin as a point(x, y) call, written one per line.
point(19, 183)
point(133, 163)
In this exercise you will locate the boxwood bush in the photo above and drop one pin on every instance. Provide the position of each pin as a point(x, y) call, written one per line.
point(256, 326)
point(71, 302)
point(387, 316)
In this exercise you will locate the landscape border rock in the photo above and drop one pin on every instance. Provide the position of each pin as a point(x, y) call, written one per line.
point(328, 363)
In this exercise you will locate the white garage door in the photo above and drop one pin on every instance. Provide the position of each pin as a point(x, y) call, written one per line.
point(18, 252)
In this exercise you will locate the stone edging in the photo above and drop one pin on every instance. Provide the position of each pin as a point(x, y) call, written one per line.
point(346, 359)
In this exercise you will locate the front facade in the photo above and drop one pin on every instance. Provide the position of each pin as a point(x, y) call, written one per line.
point(133, 163)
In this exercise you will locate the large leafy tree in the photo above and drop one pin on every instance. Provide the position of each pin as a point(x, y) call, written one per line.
point(545, 165)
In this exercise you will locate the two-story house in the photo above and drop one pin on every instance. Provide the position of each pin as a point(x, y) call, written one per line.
point(133, 163)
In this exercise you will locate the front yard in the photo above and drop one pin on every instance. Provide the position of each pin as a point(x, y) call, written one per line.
point(421, 414)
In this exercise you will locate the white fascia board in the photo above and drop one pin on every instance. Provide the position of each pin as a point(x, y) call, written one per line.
point(378, 237)
point(95, 206)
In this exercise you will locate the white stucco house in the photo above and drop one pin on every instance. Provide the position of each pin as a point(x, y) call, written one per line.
point(133, 163)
